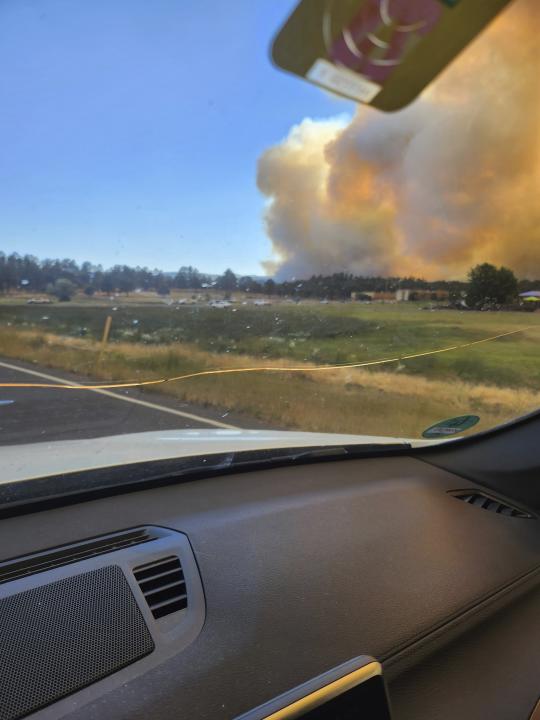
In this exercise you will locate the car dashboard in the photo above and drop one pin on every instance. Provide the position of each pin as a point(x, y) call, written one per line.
point(211, 598)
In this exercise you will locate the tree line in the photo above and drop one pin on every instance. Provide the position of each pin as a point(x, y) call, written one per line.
point(64, 278)
point(28, 272)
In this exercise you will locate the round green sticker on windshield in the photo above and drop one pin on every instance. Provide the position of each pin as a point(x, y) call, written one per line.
point(453, 426)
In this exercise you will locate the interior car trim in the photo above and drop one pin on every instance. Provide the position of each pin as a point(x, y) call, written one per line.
point(319, 697)
point(319, 691)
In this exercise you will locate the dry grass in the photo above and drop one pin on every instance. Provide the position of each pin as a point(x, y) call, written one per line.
point(348, 400)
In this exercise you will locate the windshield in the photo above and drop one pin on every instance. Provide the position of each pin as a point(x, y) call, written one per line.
point(193, 239)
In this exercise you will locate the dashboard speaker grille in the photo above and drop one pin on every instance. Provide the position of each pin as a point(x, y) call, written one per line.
point(58, 638)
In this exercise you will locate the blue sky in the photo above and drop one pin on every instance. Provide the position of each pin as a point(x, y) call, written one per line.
point(130, 129)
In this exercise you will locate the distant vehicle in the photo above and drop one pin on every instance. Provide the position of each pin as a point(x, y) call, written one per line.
point(219, 303)
point(39, 301)
point(262, 302)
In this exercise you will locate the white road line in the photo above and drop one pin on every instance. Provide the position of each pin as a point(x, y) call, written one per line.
point(124, 398)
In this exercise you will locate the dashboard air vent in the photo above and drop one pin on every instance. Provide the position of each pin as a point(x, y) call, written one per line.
point(488, 503)
point(163, 586)
point(49, 559)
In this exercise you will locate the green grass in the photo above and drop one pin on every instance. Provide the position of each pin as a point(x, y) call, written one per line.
point(314, 333)
point(345, 400)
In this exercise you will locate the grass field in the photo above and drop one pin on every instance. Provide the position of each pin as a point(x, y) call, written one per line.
point(497, 380)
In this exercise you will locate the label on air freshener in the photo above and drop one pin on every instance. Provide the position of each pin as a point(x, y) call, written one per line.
point(343, 80)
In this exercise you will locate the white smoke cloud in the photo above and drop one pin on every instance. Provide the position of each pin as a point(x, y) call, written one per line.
point(448, 182)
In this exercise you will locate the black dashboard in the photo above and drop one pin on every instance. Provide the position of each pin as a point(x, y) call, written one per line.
point(296, 570)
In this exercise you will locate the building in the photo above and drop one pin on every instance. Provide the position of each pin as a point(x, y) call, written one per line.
point(401, 295)
point(409, 294)
point(373, 295)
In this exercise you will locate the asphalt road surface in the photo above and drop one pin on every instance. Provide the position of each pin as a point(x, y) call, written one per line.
point(29, 415)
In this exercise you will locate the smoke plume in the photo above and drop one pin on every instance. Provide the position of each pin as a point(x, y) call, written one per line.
point(450, 181)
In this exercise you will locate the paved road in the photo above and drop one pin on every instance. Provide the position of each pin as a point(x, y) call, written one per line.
point(36, 415)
